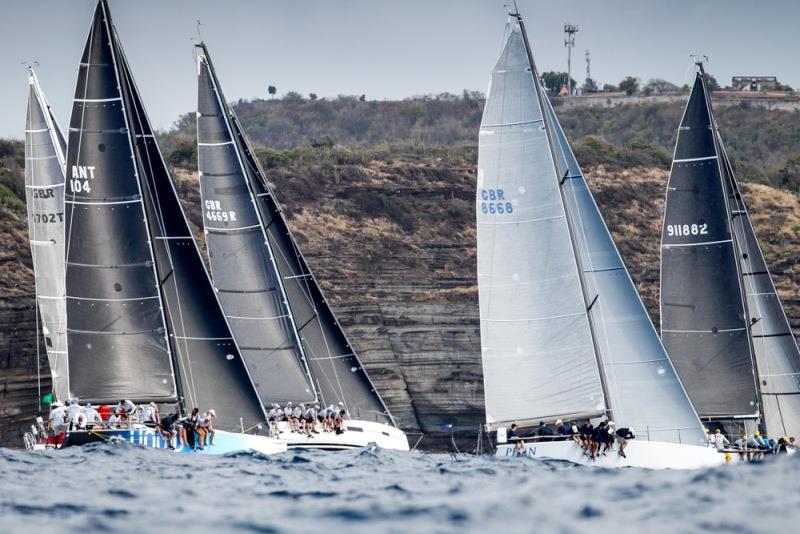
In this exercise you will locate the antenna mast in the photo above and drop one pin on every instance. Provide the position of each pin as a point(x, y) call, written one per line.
point(569, 43)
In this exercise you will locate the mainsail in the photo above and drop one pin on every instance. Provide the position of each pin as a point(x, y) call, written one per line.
point(704, 322)
point(324, 352)
point(44, 187)
point(138, 283)
point(770, 352)
point(563, 330)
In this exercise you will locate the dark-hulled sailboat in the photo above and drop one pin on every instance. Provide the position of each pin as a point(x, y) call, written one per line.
point(722, 321)
point(289, 337)
point(564, 333)
point(45, 149)
point(143, 321)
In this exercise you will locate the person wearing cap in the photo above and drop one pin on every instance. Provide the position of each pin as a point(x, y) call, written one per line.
point(297, 413)
point(608, 438)
point(339, 422)
point(586, 434)
point(275, 414)
point(575, 432)
point(543, 430)
point(763, 444)
point(72, 412)
point(709, 438)
point(206, 425)
point(58, 417)
point(310, 421)
point(562, 428)
point(741, 445)
point(287, 414)
point(598, 438)
point(150, 415)
point(168, 426)
point(124, 410)
point(329, 417)
point(623, 435)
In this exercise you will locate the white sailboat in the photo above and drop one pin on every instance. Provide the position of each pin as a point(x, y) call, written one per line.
point(293, 345)
point(564, 333)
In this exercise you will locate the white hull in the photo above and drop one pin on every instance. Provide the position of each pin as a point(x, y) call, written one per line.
point(358, 434)
point(646, 454)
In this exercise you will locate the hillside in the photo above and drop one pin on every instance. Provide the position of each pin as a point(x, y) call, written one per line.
point(389, 230)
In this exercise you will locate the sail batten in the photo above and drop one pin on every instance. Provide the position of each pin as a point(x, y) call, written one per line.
point(44, 194)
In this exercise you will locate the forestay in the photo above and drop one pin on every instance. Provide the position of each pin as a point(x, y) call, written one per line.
point(643, 388)
point(703, 319)
point(538, 355)
point(44, 192)
point(337, 373)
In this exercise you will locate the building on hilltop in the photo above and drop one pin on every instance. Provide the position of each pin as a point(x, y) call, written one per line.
point(755, 83)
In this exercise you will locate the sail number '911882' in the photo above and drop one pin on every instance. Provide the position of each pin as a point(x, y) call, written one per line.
point(494, 201)
point(214, 212)
point(682, 230)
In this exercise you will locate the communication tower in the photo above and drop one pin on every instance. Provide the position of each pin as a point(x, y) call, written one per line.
point(569, 43)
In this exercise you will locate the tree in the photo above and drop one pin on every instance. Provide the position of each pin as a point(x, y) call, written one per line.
point(610, 88)
point(711, 82)
point(590, 86)
point(292, 96)
point(312, 96)
point(272, 90)
point(629, 85)
point(657, 85)
point(362, 98)
point(554, 81)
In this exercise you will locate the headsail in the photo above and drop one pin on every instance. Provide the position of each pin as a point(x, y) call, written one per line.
point(703, 313)
point(44, 187)
point(336, 371)
point(539, 359)
point(643, 388)
point(774, 345)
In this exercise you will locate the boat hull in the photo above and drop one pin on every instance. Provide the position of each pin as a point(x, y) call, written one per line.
point(224, 442)
point(357, 435)
point(645, 454)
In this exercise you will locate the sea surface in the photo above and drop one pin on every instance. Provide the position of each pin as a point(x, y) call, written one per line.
point(124, 488)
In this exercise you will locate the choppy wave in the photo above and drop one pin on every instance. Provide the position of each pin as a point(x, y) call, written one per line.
point(128, 489)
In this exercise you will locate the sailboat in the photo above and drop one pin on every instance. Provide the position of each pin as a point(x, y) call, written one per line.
point(143, 320)
point(722, 321)
point(45, 149)
point(564, 333)
point(293, 345)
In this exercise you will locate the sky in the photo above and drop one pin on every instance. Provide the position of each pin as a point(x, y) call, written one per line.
point(384, 49)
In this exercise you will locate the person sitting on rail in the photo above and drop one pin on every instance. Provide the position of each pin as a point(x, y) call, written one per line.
point(586, 434)
point(297, 415)
point(339, 423)
point(322, 414)
point(543, 430)
point(310, 421)
point(207, 423)
point(333, 412)
point(192, 432)
point(519, 448)
point(608, 438)
point(125, 410)
point(782, 446)
point(167, 427)
point(598, 437)
point(287, 414)
point(576, 434)
point(563, 428)
point(720, 441)
point(150, 415)
point(273, 416)
point(623, 435)
point(763, 444)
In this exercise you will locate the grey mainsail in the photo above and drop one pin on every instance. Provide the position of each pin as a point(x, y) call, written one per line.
point(337, 373)
point(197, 339)
point(539, 359)
point(116, 328)
point(242, 260)
point(44, 191)
point(526, 161)
point(704, 324)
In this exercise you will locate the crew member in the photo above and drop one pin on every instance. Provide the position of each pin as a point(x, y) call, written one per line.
point(623, 435)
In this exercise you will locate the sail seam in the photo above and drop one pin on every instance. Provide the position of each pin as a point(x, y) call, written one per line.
point(665, 245)
point(689, 160)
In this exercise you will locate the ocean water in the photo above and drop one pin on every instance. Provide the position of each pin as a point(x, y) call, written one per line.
point(120, 487)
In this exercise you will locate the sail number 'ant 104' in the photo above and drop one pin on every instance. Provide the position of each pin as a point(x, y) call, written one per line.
point(687, 229)
point(494, 202)
point(81, 175)
point(214, 212)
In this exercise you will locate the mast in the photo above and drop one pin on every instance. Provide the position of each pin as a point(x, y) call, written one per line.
point(563, 172)
point(44, 188)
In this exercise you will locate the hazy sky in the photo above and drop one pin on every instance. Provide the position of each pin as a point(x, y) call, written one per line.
point(383, 48)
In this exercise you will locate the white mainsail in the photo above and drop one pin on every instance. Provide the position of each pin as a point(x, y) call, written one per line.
point(44, 192)
point(543, 264)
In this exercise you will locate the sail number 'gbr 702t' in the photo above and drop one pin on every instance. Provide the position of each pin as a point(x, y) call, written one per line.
point(494, 201)
point(214, 212)
point(687, 229)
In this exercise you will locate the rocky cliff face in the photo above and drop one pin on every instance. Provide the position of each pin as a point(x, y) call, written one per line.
point(392, 239)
